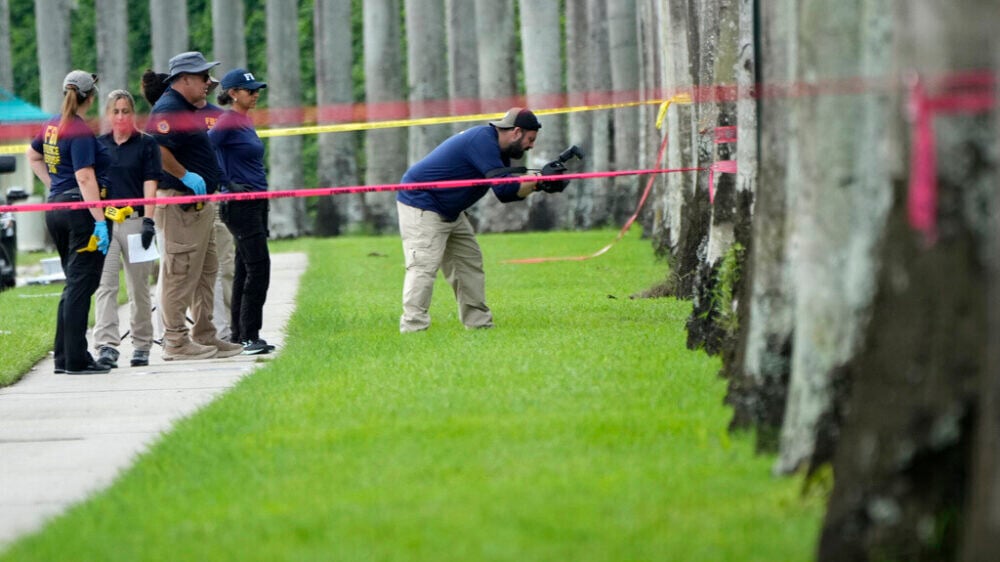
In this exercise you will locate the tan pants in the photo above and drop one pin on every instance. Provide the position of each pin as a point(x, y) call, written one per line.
point(106, 330)
point(188, 269)
point(225, 247)
point(430, 243)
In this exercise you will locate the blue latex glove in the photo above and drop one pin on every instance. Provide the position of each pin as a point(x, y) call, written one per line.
point(101, 232)
point(194, 182)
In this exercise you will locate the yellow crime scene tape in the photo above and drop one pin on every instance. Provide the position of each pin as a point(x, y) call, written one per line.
point(420, 121)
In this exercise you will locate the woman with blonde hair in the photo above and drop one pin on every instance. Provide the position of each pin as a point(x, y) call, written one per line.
point(135, 172)
point(67, 158)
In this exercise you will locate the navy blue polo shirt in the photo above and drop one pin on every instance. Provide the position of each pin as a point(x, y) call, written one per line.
point(465, 156)
point(240, 150)
point(68, 150)
point(177, 126)
point(133, 162)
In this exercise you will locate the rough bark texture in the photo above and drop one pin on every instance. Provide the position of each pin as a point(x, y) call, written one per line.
point(650, 83)
point(683, 206)
point(904, 462)
point(427, 64)
point(384, 93)
point(827, 241)
point(497, 41)
point(334, 96)
point(463, 60)
point(711, 307)
point(746, 182)
point(901, 460)
point(284, 96)
point(229, 44)
point(168, 30)
point(542, 42)
point(52, 21)
point(758, 392)
point(979, 538)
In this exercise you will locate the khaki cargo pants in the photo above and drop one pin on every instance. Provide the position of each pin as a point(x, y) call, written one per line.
point(188, 267)
point(430, 243)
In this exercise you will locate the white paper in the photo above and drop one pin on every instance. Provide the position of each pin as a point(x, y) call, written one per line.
point(138, 254)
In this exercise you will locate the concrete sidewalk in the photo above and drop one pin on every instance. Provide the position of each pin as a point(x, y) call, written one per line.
point(64, 437)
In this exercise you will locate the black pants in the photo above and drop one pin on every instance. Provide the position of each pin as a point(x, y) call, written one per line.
point(70, 231)
point(247, 221)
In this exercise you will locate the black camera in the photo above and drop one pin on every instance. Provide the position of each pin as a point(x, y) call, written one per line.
point(558, 167)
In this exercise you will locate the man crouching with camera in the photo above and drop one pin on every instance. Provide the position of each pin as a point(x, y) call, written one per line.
point(435, 229)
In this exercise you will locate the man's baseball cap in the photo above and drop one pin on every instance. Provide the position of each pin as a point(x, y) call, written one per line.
point(82, 80)
point(518, 117)
point(241, 78)
point(191, 62)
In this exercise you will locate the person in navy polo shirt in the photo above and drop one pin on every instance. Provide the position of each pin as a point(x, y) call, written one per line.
point(67, 158)
point(135, 170)
point(436, 232)
point(189, 263)
point(153, 86)
point(242, 155)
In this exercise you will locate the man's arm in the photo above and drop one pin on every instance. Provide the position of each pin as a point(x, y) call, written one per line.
point(528, 187)
point(170, 163)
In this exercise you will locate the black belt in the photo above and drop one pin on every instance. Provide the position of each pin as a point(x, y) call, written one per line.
point(66, 195)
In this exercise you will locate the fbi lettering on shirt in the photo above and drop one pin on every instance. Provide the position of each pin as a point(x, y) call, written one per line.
point(50, 148)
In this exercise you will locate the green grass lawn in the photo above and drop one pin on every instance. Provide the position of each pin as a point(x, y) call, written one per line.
point(28, 324)
point(580, 428)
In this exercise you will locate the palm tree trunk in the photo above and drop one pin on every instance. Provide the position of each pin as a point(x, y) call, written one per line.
point(229, 44)
point(463, 59)
point(284, 91)
point(334, 96)
point(824, 210)
point(168, 30)
point(112, 43)
point(758, 392)
point(384, 93)
point(52, 22)
point(624, 57)
point(497, 37)
point(580, 123)
point(6, 57)
point(427, 57)
point(542, 42)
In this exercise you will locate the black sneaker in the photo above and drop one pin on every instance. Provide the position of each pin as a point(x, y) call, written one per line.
point(140, 358)
point(59, 370)
point(90, 369)
point(108, 357)
point(256, 347)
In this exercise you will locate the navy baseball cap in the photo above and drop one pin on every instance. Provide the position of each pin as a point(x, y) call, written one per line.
point(241, 78)
point(518, 117)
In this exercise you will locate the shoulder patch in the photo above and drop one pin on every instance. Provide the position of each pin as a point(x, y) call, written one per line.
point(163, 127)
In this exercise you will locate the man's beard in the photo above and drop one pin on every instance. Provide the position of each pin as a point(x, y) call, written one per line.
point(514, 151)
